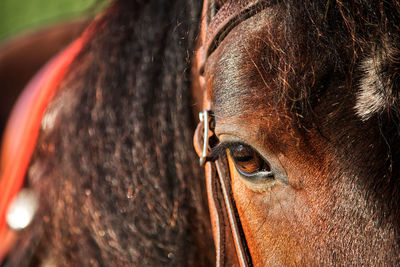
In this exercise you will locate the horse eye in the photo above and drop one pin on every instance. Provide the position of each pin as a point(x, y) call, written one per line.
point(249, 163)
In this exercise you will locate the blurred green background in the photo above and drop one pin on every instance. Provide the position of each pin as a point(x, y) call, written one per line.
point(18, 16)
point(31, 32)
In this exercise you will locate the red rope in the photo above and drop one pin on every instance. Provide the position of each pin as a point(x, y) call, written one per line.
point(22, 132)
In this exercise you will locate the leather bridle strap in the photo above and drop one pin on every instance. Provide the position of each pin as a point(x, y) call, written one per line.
point(228, 234)
point(243, 255)
point(217, 22)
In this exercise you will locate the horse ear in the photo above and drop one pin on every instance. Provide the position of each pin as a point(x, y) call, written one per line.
point(379, 85)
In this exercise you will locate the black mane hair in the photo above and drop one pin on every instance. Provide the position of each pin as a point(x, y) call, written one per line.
point(117, 176)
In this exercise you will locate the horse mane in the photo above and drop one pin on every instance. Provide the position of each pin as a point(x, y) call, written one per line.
point(116, 172)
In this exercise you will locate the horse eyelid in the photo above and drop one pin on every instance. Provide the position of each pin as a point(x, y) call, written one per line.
point(221, 148)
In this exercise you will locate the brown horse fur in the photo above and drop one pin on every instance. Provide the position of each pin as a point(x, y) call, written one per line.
point(116, 173)
point(288, 82)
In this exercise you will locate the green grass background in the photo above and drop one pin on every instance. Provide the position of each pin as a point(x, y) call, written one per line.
point(17, 16)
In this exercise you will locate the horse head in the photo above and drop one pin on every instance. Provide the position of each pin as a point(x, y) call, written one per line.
point(305, 121)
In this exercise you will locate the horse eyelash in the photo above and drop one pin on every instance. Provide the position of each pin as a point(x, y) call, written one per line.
point(221, 148)
point(217, 151)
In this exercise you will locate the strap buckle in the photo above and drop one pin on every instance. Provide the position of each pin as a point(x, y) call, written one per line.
point(202, 136)
point(203, 117)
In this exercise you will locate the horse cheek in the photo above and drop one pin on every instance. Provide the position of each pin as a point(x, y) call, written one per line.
point(267, 222)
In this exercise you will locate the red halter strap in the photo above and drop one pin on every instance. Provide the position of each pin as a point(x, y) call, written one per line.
point(22, 131)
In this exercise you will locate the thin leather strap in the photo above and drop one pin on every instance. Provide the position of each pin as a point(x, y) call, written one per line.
point(242, 251)
point(217, 25)
point(229, 16)
point(230, 243)
point(215, 214)
point(217, 22)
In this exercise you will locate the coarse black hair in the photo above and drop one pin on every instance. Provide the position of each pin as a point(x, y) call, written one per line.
point(118, 179)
